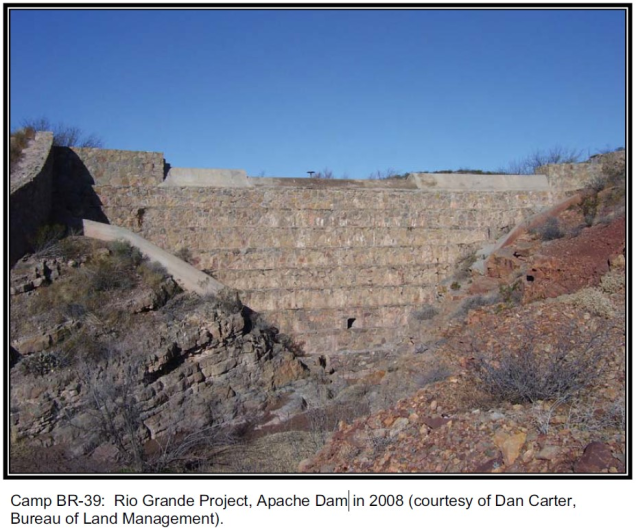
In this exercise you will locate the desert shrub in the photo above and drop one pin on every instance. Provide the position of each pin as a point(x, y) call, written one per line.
point(109, 275)
point(226, 300)
point(455, 286)
point(589, 207)
point(81, 347)
point(70, 247)
point(40, 364)
point(549, 230)
point(290, 344)
point(47, 237)
point(592, 300)
point(527, 375)
point(463, 265)
point(18, 142)
point(426, 312)
point(613, 281)
point(153, 273)
point(597, 183)
point(126, 253)
point(115, 414)
point(511, 294)
point(474, 302)
point(585, 416)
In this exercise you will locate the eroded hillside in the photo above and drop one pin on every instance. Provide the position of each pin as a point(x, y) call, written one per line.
point(538, 363)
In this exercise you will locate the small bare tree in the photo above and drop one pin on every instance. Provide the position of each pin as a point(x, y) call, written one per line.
point(112, 390)
point(326, 173)
point(555, 155)
point(64, 135)
point(386, 174)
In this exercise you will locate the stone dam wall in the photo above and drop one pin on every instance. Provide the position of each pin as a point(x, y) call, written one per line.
point(31, 189)
point(340, 269)
point(339, 264)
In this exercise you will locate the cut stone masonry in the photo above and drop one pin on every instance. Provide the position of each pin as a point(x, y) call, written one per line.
point(338, 264)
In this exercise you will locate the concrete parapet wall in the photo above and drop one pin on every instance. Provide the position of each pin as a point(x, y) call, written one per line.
point(330, 184)
point(31, 191)
point(475, 182)
point(216, 178)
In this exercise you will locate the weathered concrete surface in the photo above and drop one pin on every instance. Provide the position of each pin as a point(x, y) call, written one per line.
point(315, 183)
point(216, 178)
point(188, 277)
point(476, 182)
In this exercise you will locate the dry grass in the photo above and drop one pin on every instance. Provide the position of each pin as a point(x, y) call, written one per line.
point(19, 141)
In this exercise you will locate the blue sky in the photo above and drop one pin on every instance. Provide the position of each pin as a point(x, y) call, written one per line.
point(284, 92)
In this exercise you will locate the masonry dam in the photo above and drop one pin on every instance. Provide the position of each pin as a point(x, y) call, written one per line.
point(337, 264)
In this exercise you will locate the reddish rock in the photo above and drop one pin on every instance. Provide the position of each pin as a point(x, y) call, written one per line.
point(596, 458)
point(510, 445)
point(489, 466)
point(569, 264)
point(502, 263)
point(435, 423)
